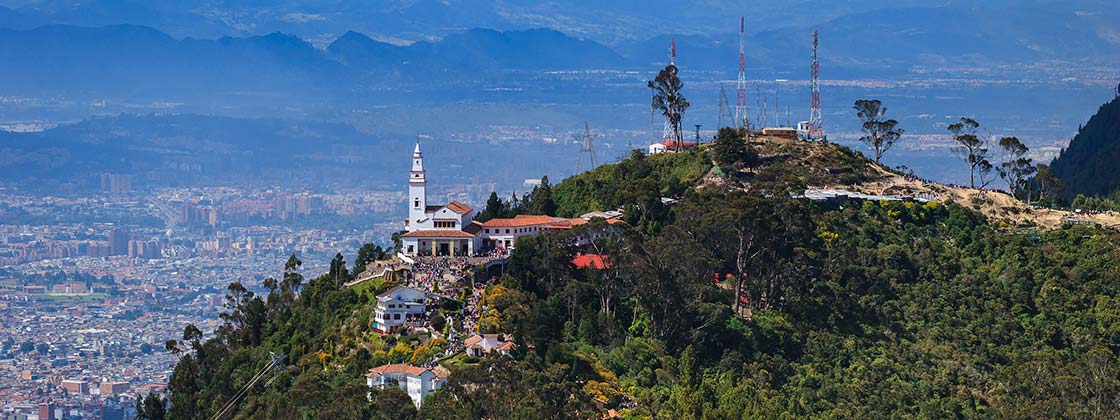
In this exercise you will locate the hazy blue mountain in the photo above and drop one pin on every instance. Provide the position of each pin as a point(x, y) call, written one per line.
point(129, 58)
point(134, 61)
point(610, 22)
point(358, 50)
point(125, 58)
point(529, 49)
point(187, 149)
point(859, 37)
point(898, 40)
point(476, 50)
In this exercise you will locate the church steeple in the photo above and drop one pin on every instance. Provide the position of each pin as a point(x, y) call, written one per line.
point(417, 191)
point(417, 164)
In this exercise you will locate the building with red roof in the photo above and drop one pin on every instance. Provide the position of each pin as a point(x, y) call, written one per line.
point(595, 261)
point(449, 229)
point(417, 382)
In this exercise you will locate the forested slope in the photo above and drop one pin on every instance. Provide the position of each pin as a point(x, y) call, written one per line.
point(1088, 165)
point(875, 310)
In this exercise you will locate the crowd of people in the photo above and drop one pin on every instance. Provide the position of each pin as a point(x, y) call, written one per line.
point(454, 278)
point(439, 273)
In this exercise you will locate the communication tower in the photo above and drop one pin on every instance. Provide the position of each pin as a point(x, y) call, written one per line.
point(668, 134)
point(726, 119)
point(816, 130)
point(741, 118)
point(586, 146)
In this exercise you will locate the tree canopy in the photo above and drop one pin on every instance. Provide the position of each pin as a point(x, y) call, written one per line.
point(879, 134)
point(727, 304)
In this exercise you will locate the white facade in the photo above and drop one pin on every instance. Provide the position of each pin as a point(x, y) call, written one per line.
point(450, 230)
point(481, 344)
point(396, 307)
point(417, 192)
point(417, 382)
point(503, 233)
point(669, 146)
point(434, 229)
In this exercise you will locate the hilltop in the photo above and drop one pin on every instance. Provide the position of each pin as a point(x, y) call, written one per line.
point(828, 166)
point(723, 295)
point(795, 166)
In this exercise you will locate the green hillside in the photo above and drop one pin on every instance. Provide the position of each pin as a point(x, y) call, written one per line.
point(1088, 165)
point(866, 310)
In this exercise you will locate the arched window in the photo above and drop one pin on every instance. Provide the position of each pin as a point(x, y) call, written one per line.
point(416, 203)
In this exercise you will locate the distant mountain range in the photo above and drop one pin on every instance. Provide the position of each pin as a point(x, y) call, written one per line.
point(415, 20)
point(202, 150)
point(131, 59)
point(190, 150)
point(128, 58)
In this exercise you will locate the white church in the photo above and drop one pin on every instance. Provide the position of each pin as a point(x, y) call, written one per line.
point(449, 229)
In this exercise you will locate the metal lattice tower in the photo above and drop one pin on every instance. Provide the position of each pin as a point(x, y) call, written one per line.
point(741, 118)
point(586, 146)
point(652, 112)
point(816, 129)
point(668, 134)
point(725, 117)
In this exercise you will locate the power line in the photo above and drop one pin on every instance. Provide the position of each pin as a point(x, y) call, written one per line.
point(273, 363)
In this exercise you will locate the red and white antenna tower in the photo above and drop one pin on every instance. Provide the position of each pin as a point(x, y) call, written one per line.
point(673, 52)
point(741, 119)
point(816, 130)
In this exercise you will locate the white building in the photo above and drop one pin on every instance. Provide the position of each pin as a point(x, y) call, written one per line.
point(480, 344)
point(669, 146)
point(416, 381)
point(434, 229)
point(396, 307)
point(503, 233)
point(450, 229)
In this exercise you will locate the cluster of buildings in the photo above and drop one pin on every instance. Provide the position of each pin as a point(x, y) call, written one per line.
point(398, 308)
point(450, 229)
point(26, 245)
point(116, 183)
point(89, 356)
point(273, 206)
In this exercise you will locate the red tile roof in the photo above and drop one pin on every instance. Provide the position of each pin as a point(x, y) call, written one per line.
point(684, 144)
point(438, 234)
point(458, 207)
point(454, 206)
point(398, 368)
point(520, 220)
point(590, 260)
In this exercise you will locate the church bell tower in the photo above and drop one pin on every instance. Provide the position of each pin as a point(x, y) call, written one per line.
point(417, 191)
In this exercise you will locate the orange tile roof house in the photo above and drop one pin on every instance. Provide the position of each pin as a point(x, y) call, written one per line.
point(481, 344)
point(417, 382)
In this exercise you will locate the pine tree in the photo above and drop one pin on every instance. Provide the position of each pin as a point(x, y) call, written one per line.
point(494, 208)
point(542, 199)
